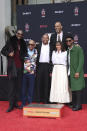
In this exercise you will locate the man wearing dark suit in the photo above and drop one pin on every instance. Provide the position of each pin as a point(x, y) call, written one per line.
point(42, 73)
point(59, 35)
point(15, 50)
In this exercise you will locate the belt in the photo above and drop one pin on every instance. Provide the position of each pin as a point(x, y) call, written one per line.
point(59, 64)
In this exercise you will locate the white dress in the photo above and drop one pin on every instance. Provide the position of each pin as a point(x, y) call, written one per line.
point(60, 91)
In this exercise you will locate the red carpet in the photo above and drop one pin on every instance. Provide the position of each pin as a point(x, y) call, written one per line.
point(70, 121)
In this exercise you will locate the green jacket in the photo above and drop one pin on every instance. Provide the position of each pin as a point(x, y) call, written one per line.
point(76, 66)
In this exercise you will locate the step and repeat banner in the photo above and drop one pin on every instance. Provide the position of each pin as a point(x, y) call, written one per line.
point(35, 20)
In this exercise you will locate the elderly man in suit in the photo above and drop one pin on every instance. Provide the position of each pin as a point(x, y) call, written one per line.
point(75, 71)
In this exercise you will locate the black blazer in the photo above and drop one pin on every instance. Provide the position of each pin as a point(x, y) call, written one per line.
point(11, 45)
point(38, 47)
point(53, 40)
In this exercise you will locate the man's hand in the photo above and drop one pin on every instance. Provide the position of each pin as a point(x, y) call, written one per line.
point(76, 75)
point(50, 74)
point(11, 54)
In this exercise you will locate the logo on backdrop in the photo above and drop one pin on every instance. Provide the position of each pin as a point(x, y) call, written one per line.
point(43, 13)
point(27, 39)
point(59, 11)
point(26, 13)
point(76, 11)
point(27, 27)
point(76, 39)
point(43, 26)
point(76, 25)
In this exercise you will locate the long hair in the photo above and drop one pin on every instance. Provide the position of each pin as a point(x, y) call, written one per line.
point(62, 46)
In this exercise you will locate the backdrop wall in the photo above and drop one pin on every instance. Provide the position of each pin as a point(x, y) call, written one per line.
point(36, 20)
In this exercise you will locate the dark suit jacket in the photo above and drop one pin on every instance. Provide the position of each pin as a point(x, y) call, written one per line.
point(11, 45)
point(38, 52)
point(53, 41)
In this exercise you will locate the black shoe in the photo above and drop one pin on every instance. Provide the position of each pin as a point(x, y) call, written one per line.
point(70, 105)
point(38, 101)
point(49, 102)
point(45, 102)
point(10, 109)
point(16, 106)
point(76, 108)
point(21, 107)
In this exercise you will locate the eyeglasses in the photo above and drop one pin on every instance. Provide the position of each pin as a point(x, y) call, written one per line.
point(68, 40)
point(31, 44)
point(20, 34)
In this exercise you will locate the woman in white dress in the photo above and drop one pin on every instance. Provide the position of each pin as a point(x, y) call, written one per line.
point(59, 85)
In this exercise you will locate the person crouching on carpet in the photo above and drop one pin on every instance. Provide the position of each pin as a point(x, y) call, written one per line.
point(59, 92)
point(29, 73)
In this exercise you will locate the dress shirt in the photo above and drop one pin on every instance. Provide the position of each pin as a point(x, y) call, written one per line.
point(30, 52)
point(69, 61)
point(44, 54)
point(59, 58)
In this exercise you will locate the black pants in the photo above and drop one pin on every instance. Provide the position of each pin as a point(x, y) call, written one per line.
point(14, 88)
point(43, 83)
point(76, 97)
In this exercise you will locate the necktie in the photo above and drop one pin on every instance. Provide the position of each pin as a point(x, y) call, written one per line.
point(59, 38)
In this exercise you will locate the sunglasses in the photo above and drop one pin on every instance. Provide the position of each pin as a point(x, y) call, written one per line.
point(68, 40)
